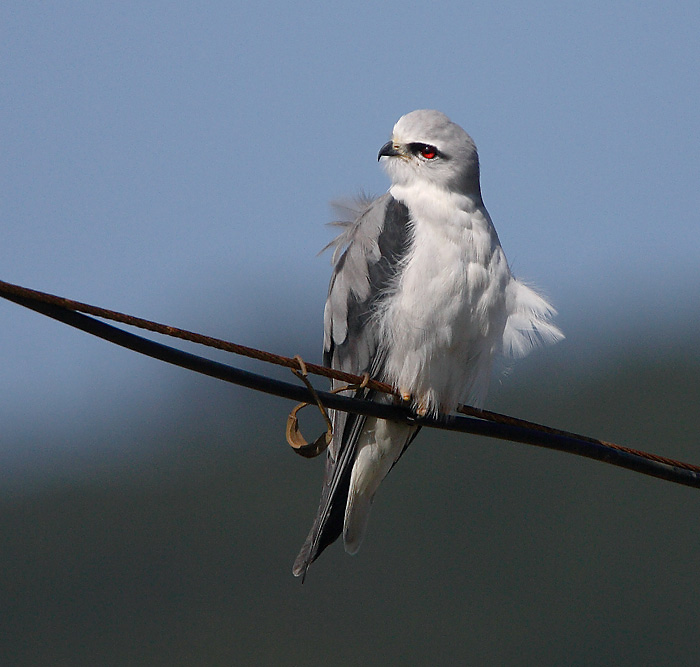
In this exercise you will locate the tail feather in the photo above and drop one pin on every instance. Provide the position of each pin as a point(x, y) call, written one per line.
point(328, 524)
point(356, 518)
point(381, 446)
point(371, 449)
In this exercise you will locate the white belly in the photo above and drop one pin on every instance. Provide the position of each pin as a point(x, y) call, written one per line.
point(445, 317)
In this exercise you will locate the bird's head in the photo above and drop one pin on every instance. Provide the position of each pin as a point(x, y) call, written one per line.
point(427, 146)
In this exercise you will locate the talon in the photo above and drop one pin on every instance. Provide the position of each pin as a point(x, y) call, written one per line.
point(405, 395)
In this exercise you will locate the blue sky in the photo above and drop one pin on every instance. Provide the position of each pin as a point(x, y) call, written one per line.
point(176, 160)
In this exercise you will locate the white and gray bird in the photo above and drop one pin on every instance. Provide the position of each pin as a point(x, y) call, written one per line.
point(421, 297)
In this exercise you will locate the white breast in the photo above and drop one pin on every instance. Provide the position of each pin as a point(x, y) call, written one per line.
point(445, 316)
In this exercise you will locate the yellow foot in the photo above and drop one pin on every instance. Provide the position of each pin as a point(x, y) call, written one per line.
point(420, 406)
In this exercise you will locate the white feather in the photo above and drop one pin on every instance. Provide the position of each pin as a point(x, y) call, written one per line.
point(445, 319)
point(529, 322)
point(380, 444)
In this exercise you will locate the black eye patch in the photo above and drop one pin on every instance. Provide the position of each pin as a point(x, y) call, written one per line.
point(425, 150)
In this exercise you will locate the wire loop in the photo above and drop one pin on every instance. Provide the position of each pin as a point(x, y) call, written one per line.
point(294, 436)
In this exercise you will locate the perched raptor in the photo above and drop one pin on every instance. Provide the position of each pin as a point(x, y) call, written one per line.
point(421, 297)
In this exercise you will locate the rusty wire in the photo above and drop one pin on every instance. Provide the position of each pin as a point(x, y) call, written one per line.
point(482, 422)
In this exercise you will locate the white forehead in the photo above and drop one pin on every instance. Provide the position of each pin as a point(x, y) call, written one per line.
point(430, 127)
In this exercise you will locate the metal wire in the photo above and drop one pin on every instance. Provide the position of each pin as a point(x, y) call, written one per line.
point(479, 422)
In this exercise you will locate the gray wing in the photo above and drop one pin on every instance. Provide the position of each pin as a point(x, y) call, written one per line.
point(370, 249)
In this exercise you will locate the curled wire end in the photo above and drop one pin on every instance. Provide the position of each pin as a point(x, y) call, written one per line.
point(296, 440)
point(294, 437)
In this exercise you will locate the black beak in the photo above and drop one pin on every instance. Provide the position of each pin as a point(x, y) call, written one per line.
point(388, 150)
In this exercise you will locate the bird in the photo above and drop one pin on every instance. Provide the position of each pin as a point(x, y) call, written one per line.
point(422, 298)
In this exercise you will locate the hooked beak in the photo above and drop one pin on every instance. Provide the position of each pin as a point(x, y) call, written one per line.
point(388, 150)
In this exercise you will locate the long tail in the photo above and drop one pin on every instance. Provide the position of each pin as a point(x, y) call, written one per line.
point(328, 524)
point(377, 452)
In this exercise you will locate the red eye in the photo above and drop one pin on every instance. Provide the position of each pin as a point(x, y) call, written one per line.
point(426, 151)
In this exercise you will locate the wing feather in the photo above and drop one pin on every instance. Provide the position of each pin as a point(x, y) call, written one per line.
point(366, 256)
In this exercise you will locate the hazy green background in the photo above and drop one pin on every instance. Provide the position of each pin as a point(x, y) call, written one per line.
point(175, 160)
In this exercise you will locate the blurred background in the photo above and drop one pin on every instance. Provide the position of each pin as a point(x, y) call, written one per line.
point(175, 161)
